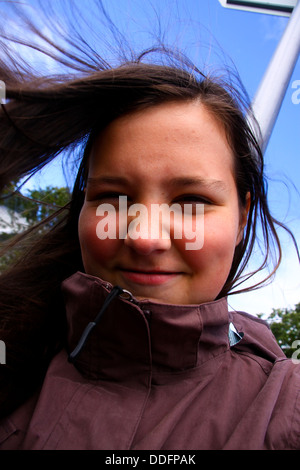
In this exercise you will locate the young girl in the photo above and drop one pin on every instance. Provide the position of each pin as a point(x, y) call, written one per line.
point(118, 339)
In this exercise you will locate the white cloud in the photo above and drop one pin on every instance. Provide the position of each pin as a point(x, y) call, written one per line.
point(39, 61)
point(283, 292)
point(273, 26)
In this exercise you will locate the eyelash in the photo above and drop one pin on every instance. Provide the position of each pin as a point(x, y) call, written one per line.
point(181, 199)
point(194, 198)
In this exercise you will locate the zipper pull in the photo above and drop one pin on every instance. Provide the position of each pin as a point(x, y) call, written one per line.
point(116, 291)
point(128, 296)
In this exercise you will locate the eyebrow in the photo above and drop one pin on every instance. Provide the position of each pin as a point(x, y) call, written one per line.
point(205, 183)
point(107, 180)
point(181, 181)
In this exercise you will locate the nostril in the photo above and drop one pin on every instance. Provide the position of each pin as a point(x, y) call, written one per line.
point(146, 246)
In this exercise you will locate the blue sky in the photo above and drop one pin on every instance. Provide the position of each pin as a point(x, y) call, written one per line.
point(213, 36)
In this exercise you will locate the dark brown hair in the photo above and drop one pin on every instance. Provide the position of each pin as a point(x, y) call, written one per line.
point(45, 116)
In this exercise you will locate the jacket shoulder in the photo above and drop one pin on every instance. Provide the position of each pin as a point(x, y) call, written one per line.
point(258, 338)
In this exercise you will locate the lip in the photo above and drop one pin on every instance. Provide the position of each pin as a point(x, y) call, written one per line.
point(150, 278)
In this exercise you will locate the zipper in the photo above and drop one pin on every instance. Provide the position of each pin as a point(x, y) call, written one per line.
point(116, 291)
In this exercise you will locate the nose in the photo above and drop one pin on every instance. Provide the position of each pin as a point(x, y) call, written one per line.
point(147, 234)
point(147, 246)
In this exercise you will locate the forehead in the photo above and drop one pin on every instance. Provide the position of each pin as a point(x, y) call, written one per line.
point(170, 138)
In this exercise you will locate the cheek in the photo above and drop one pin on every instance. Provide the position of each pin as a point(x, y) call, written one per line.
point(95, 250)
point(217, 246)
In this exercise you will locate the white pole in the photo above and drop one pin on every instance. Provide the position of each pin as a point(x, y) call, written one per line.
point(268, 99)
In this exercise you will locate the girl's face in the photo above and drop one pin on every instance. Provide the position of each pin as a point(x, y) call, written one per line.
point(170, 153)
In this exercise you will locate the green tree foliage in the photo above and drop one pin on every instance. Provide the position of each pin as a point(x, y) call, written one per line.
point(34, 206)
point(285, 325)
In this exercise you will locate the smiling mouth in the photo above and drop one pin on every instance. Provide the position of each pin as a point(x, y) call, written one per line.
point(153, 278)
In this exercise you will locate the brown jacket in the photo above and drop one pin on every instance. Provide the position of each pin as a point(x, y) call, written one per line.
point(160, 377)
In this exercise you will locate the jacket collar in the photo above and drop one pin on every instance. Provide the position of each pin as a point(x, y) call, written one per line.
point(134, 337)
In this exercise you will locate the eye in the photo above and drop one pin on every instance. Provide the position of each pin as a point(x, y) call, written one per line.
point(109, 195)
point(192, 199)
point(192, 204)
